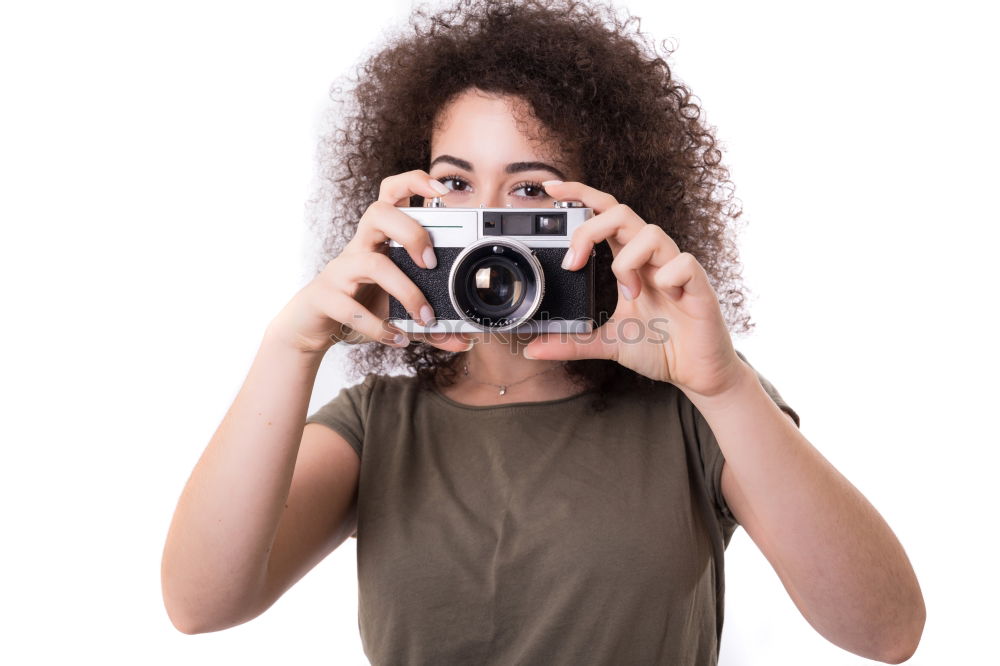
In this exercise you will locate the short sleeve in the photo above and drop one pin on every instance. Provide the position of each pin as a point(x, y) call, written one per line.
point(712, 458)
point(347, 412)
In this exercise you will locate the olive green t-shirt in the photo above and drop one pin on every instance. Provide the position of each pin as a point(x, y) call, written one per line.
point(536, 533)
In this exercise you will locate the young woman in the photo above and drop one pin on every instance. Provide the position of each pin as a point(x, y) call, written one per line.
point(537, 499)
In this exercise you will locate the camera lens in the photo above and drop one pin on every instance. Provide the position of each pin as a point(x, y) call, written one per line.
point(496, 283)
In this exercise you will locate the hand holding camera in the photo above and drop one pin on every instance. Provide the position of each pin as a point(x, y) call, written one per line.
point(348, 300)
point(668, 324)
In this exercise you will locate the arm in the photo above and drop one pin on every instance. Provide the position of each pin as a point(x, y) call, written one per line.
point(235, 545)
point(214, 565)
point(837, 558)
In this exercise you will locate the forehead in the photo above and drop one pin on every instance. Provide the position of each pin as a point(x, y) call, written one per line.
point(493, 129)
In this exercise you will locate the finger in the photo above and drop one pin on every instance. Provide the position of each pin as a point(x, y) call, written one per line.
point(397, 190)
point(573, 191)
point(618, 225)
point(452, 342)
point(569, 347)
point(650, 246)
point(375, 268)
point(383, 221)
point(340, 307)
point(683, 274)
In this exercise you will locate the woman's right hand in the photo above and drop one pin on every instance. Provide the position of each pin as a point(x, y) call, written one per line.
point(348, 299)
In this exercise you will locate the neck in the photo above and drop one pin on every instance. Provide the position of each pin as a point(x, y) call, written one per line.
point(501, 361)
point(496, 361)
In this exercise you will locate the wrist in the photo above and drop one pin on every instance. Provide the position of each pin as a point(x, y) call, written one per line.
point(742, 383)
point(277, 343)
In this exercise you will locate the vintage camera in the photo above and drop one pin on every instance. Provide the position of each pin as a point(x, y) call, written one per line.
point(499, 269)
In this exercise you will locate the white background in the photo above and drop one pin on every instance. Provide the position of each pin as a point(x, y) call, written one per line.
point(154, 164)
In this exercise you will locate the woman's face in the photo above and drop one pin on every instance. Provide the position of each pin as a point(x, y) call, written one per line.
point(489, 150)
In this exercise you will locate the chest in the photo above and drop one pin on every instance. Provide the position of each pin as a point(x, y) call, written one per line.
point(519, 499)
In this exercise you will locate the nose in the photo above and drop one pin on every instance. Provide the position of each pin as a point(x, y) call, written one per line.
point(491, 201)
point(491, 195)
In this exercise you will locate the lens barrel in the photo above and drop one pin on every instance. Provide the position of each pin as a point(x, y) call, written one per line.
point(496, 283)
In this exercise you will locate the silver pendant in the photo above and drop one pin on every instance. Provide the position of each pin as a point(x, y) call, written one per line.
point(503, 390)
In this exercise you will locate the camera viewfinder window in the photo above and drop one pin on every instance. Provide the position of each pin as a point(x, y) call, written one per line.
point(517, 224)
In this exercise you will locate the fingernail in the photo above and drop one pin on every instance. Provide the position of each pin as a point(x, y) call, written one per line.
point(626, 292)
point(401, 340)
point(427, 315)
point(528, 355)
point(568, 259)
point(438, 186)
point(430, 260)
point(551, 182)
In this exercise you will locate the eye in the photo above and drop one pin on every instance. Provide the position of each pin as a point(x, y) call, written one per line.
point(529, 190)
point(455, 183)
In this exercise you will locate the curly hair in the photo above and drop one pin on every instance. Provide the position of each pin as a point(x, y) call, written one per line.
point(596, 82)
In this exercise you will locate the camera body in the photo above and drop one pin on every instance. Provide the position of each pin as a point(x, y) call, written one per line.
point(499, 269)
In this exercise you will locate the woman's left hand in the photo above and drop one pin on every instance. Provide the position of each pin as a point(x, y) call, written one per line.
point(668, 325)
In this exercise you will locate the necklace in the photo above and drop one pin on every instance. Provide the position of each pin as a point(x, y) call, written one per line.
point(502, 388)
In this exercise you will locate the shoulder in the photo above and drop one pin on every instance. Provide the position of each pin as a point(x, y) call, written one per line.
point(391, 383)
point(383, 389)
point(373, 388)
point(373, 381)
point(354, 404)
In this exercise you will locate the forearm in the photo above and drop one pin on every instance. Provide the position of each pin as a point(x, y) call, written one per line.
point(215, 557)
point(840, 561)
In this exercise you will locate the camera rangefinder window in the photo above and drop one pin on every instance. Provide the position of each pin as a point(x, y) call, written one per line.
point(550, 224)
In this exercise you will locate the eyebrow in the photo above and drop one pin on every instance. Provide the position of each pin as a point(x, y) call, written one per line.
point(513, 167)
